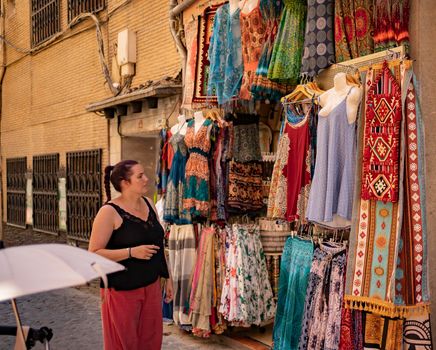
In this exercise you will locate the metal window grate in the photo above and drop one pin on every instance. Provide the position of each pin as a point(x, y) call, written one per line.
point(84, 171)
point(45, 193)
point(76, 7)
point(16, 169)
point(45, 20)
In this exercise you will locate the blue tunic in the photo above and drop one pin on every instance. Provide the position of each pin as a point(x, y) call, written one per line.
point(225, 56)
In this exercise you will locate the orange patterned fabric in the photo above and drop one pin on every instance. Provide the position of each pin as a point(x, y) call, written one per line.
point(253, 35)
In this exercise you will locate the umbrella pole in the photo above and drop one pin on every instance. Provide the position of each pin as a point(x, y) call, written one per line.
point(17, 318)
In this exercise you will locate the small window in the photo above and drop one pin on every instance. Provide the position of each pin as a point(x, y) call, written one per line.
point(76, 7)
point(45, 20)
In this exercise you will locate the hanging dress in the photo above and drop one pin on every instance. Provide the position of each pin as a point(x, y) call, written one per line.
point(321, 322)
point(196, 193)
point(253, 36)
point(332, 188)
point(164, 161)
point(247, 296)
point(262, 87)
point(288, 47)
point(319, 49)
point(353, 29)
point(294, 276)
point(291, 177)
point(225, 69)
point(391, 24)
point(173, 207)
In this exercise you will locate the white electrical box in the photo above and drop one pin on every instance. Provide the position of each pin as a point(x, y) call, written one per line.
point(126, 48)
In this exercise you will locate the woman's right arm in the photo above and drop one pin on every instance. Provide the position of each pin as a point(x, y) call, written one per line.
point(102, 229)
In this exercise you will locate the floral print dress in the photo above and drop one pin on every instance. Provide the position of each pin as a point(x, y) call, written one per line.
point(247, 297)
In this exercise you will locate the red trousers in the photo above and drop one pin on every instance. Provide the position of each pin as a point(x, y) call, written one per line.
point(132, 319)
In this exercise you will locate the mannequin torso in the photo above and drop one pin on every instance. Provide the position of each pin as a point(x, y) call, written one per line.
point(199, 120)
point(334, 96)
point(181, 126)
point(247, 6)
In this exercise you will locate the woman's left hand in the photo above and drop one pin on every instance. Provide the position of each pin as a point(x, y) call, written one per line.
point(169, 292)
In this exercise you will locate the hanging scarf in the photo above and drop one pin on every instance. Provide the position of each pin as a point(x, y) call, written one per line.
point(370, 284)
point(382, 139)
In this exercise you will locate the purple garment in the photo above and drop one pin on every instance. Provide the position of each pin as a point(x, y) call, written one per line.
point(333, 183)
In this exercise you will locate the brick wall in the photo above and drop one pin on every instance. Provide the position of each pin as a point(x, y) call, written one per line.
point(45, 94)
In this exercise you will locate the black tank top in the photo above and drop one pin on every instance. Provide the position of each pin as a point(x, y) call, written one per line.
point(133, 232)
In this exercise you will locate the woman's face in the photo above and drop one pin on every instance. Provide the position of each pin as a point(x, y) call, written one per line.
point(138, 180)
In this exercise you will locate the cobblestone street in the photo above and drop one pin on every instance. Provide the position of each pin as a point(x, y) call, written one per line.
point(74, 316)
point(74, 313)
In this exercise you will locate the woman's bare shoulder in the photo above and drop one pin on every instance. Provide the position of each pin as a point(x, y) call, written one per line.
point(107, 210)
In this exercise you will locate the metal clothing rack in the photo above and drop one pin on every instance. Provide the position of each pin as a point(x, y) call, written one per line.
point(325, 78)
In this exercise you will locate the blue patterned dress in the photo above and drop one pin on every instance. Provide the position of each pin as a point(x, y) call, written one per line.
point(225, 57)
point(173, 208)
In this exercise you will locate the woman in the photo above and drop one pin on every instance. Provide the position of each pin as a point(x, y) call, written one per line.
point(127, 230)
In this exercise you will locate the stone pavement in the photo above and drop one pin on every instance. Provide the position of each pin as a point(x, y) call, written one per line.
point(74, 313)
point(74, 316)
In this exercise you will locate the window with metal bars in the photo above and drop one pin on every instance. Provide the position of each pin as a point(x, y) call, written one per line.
point(46, 20)
point(76, 7)
point(45, 193)
point(16, 169)
point(84, 171)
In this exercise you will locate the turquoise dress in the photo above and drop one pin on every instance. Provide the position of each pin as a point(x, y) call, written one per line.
point(173, 207)
point(225, 56)
point(294, 277)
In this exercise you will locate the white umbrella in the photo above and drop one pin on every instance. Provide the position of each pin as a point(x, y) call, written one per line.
point(39, 268)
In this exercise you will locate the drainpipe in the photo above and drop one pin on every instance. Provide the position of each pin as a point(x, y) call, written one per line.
point(2, 75)
point(175, 19)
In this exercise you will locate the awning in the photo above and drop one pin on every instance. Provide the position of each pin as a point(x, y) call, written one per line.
point(150, 91)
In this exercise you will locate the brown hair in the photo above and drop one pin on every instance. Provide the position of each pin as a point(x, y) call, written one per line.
point(115, 174)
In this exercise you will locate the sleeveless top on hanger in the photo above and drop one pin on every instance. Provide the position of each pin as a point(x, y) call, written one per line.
point(291, 176)
point(133, 232)
point(332, 188)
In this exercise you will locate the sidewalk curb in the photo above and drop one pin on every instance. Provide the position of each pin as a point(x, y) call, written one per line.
point(240, 342)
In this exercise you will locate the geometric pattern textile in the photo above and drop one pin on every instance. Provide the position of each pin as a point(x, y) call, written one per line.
point(387, 271)
point(382, 139)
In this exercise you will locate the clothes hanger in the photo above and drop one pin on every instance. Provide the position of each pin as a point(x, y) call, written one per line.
point(299, 92)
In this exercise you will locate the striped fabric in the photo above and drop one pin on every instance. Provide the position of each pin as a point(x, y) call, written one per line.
point(182, 256)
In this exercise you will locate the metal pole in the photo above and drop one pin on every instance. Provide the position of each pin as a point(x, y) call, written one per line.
point(20, 332)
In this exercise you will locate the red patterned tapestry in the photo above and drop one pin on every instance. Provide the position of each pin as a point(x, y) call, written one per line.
point(382, 137)
point(205, 26)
